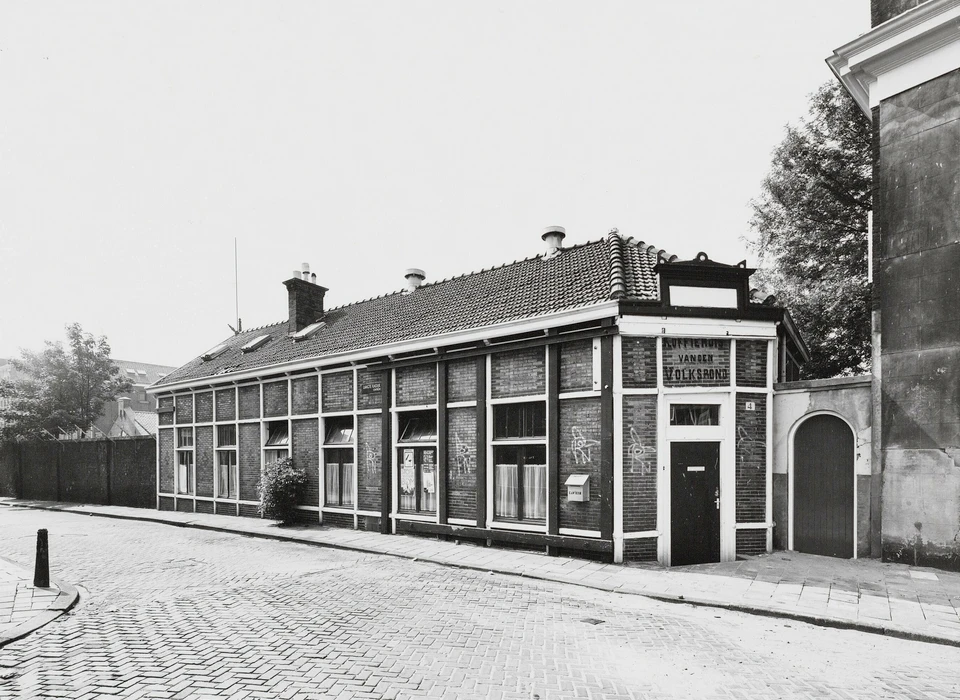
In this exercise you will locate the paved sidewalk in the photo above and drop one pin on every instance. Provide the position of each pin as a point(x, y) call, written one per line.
point(23, 606)
point(866, 594)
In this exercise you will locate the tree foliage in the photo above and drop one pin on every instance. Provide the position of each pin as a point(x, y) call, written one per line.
point(810, 226)
point(62, 386)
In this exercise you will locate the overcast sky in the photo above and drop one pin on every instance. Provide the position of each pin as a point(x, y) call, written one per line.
point(138, 140)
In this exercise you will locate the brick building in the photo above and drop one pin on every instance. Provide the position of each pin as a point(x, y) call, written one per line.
point(604, 399)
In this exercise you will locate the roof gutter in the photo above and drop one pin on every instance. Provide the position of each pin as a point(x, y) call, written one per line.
point(577, 315)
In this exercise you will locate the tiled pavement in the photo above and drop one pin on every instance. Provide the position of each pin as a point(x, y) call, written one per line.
point(866, 594)
point(23, 606)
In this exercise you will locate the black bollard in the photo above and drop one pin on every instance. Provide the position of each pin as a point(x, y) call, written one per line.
point(41, 573)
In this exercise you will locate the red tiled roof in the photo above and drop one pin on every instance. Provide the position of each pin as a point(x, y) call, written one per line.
point(578, 276)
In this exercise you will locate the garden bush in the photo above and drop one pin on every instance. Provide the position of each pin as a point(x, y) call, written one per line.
point(280, 488)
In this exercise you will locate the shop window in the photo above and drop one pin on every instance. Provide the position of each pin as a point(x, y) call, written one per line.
point(338, 476)
point(418, 426)
point(277, 443)
point(418, 479)
point(185, 471)
point(519, 421)
point(520, 483)
point(228, 475)
point(339, 430)
point(694, 414)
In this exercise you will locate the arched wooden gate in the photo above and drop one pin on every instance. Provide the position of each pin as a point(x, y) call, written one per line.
point(823, 487)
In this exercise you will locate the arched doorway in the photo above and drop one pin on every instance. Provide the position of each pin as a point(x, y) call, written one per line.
point(823, 487)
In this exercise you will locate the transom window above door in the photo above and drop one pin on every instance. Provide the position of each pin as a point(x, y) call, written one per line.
point(694, 414)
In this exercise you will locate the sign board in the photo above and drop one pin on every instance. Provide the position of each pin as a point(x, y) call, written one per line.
point(696, 362)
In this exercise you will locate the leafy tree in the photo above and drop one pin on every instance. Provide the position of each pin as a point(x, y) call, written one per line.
point(810, 225)
point(60, 387)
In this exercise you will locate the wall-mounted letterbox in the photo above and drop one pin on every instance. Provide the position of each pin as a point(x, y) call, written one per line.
point(578, 487)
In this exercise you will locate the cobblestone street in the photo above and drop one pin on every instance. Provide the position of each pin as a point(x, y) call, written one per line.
point(174, 613)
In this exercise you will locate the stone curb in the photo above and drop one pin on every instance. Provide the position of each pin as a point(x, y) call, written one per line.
point(66, 599)
point(761, 610)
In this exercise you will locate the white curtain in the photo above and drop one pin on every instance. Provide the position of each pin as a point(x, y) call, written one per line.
point(332, 481)
point(534, 491)
point(348, 472)
point(505, 478)
point(408, 488)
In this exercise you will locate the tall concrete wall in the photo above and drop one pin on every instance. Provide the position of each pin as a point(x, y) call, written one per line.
point(917, 218)
point(793, 402)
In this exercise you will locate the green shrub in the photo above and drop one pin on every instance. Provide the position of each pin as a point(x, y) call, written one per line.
point(280, 488)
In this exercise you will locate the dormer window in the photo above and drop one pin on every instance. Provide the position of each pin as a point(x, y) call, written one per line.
point(703, 283)
point(256, 343)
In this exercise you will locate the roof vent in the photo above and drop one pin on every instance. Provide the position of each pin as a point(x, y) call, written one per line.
point(553, 236)
point(415, 278)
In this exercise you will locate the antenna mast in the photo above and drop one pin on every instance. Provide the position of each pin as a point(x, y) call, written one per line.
point(236, 289)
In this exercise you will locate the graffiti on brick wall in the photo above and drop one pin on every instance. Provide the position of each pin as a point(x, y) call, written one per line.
point(582, 446)
point(461, 452)
point(372, 462)
point(642, 457)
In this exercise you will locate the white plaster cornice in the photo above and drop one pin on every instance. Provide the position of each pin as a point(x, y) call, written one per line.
point(901, 53)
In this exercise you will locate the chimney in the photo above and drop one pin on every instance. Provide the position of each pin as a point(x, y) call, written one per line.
point(553, 236)
point(123, 403)
point(415, 278)
point(305, 298)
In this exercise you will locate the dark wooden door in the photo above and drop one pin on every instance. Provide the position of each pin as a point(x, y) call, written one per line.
point(823, 487)
point(694, 502)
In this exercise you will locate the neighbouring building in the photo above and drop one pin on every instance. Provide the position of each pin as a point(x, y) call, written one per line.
point(905, 75)
point(604, 399)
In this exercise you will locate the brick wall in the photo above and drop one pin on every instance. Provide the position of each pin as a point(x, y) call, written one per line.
point(639, 362)
point(84, 471)
point(369, 461)
point(306, 454)
point(305, 398)
point(185, 505)
point(576, 366)
point(275, 399)
point(337, 392)
point(696, 362)
point(205, 407)
point(580, 454)
point(165, 418)
point(248, 511)
point(639, 463)
point(369, 391)
point(640, 550)
point(417, 385)
point(751, 459)
point(462, 380)
point(338, 520)
point(166, 503)
point(249, 401)
point(184, 412)
point(518, 373)
point(204, 507)
point(752, 363)
point(462, 463)
point(751, 542)
point(165, 436)
point(249, 460)
point(226, 404)
point(204, 460)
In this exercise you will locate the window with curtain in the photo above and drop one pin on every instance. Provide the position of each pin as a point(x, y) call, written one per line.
point(277, 444)
point(185, 460)
point(338, 476)
point(227, 470)
point(520, 483)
